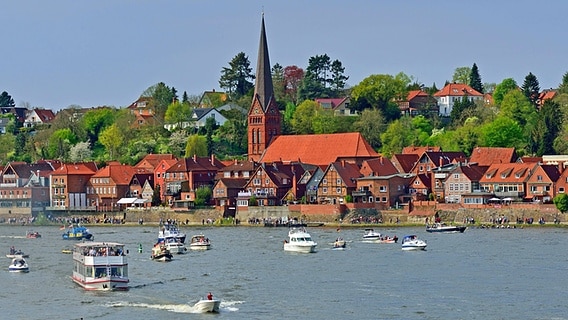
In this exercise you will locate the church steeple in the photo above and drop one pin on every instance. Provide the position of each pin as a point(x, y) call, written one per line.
point(264, 120)
point(263, 87)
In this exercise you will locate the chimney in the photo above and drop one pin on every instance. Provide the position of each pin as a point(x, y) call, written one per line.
point(441, 161)
point(212, 158)
point(194, 157)
point(560, 167)
point(294, 185)
point(381, 160)
point(343, 163)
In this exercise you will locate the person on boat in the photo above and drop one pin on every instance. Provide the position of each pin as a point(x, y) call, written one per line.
point(12, 250)
point(209, 296)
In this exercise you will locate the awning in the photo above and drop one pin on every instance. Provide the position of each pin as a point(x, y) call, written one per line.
point(494, 199)
point(507, 199)
point(127, 200)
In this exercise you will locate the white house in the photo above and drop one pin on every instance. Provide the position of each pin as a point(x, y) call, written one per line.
point(454, 92)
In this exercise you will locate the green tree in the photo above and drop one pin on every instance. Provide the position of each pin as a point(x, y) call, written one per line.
point(177, 143)
point(461, 110)
point(95, 121)
point(237, 78)
point(112, 139)
point(563, 87)
point(396, 137)
point(6, 101)
point(503, 88)
point(302, 122)
point(196, 145)
point(210, 127)
point(561, 202)
point(156, 197)
point(475, 79)
point(547, 128)
point(59, 144)
point(278, 82)
point(378, 91)
point(531, 88)
point(203, 195)
point(371, 124)
point(461, 75)
point(338, 78)
point(178, 113)
point(233, 136)
point(503, 132)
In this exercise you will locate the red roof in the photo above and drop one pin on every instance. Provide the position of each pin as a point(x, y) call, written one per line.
point(457, 89)
point(485, 156)
point(318, 149)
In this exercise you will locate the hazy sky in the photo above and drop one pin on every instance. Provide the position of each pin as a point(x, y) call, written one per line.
point(58, 53)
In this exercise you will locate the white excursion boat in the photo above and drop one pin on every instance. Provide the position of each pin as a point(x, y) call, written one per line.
point(444, 228)
point(299, 240)
point(207, 305)
point(199, 242)
point(161, 253)
point(100, 266)
point(170, 230)
point(412, 242)
point(19, 264)
point(175, 246)
point(371, 234)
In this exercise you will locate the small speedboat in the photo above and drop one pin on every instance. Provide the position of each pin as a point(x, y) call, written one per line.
point(388, 239)
point(199, 242)
point(207, 305)
point(161, 253)
point(19, 264)
point(339, 244)
point(16, 254)
point(33, 235)
point(412, 242)
point(371, 234)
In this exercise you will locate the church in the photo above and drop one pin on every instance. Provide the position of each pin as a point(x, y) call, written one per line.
point(267, 145)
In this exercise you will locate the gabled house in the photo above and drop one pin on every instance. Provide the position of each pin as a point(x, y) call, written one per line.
point(561, 185)
point(160, 176)
point(194, 173)
point(231, 180)
point(143, 110)
point(507, 180)
point(417, 102)
point(453, 92)
point(339, 180)
point(384, 192)
point(404, 162)
point(337, 106)
point(461, 180)
point(24, 188)
point(108, 185)
point(272, 181)
point(212, 99)
point(38, 116)
point(541, 183)
point(380, 166)
point(420, 187)
point(485, 156)
point(431, 160)
point(18, 112)
point(199, 117)
point(69, 186)
point(150, 161)
point(141, 184)
point(311, 179)
point(548, 94)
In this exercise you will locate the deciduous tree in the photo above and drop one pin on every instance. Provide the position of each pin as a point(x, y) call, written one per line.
point(461, 75)
point(502, 89)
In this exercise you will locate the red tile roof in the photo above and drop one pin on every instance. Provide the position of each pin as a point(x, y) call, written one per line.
point(419, 150)
point(318, 149)
point(485, 156)
point(457, 89)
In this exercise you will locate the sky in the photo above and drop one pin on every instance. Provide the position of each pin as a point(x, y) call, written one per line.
point(60, 53)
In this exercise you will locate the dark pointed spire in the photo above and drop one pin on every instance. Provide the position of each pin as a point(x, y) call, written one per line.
point(263, 86)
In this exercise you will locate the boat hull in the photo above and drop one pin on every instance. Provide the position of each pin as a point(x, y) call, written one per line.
point(204, 306)
point(102, 284)
point(199, 246)
point(300, 248)
point(447, 229)
point(414, 247)
point(162, 257)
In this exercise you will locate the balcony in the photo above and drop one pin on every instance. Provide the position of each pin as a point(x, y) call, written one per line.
point(361, 193)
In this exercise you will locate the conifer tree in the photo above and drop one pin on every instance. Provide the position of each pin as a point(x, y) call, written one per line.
point(475, 79)
point(531, 88)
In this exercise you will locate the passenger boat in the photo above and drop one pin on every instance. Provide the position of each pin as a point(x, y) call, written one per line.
point(170, 230)
point(199, 242)
point(100, 266)
point(371, 234)
point(299, 240)
point(412, 242)
point(161, 253)
point(33, 235)
point(77, 232)
point(444, 228)
point(19, 264)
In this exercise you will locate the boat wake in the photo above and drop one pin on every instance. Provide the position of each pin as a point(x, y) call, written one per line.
point(226, 306)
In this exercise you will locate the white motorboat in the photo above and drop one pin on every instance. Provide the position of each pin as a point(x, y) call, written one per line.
point(19, 264)
point(16, 254)
point(339, 244)
point(175, 246)
point(170, 230)
point(444, 228)
point(199, 242)
point(207, 305)
point(100, 266)
point(371, 234)
point(412, 242)
point(161, 253)
point(299, 240)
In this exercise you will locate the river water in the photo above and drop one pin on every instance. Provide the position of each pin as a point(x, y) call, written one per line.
point(480, 274)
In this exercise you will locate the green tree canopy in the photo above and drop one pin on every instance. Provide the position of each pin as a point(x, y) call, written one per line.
point(6, 101)
point(378, 91)
point(503, 88)
point(237, 78)
point(112, 139)
point(59, 144)
point(531, 88)
point(461, 75)
point(561, 202)
point(178, 113)
point(196, 145)
point(302, 122)
point(504, 132)
point(475, 79)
